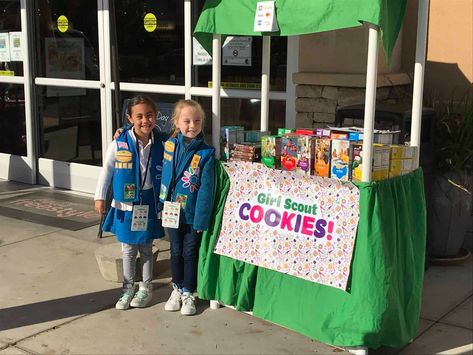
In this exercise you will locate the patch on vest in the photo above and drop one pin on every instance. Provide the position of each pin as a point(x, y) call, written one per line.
point(182, 199)
point(123, 156)
point(167, 156)
point(195, 161)
point(123, 165)
point(129, 192)
point(169, 146)
point(162, 193)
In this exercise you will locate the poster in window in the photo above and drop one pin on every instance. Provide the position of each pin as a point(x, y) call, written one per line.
point(65, 60)
point(4, 47)
point(16, 47)
point(237, 51)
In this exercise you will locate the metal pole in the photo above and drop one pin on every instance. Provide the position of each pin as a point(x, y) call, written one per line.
point(370, 102)
point(265, 82)
point(216, 75)
point(418, 89)
point(115, 65)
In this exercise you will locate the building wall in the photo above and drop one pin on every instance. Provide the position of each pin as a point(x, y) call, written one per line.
point(343, 51)
point(449, 62)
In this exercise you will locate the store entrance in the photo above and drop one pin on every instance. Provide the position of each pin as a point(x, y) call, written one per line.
point(68, 97)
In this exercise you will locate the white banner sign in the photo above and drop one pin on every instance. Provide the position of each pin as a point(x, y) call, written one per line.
point(299, 225)
point(265, 17)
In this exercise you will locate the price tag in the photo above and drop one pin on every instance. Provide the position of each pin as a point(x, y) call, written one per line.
point(170, 214)
point(139, 218)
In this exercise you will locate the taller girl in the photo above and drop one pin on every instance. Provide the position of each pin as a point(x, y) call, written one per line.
point(188, 179)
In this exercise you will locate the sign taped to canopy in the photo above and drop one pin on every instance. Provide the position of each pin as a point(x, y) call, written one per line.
point(299, 225)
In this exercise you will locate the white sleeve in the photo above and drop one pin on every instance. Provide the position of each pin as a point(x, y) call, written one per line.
point(106, 173)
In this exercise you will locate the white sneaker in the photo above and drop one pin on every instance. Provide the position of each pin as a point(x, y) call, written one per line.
point(143, 296)
point(125, 299)
point(188, 305)
point(174, 302)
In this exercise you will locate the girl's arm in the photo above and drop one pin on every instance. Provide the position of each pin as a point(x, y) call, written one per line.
point(105, 178)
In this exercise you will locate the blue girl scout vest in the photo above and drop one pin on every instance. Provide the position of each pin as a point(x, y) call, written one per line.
point(189, 178)
point(126, 178)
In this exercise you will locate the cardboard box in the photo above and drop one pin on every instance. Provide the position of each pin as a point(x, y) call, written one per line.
point(283, 131)
point(401, 166)
point(229, 135)
point(340, 158)
point(271, 151)
point(323, 132)
point(322, 157)
point(305, 155)
point(380, 174)
point(403, 152)
point(305, 131)
point(289, 152)
point(380, 161)
point(254, 136)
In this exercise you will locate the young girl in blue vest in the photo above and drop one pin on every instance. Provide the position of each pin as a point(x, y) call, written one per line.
point(134, 160)
point(187, 184)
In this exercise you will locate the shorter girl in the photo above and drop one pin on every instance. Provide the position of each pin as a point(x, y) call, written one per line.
point(134, 159)
point(188, 179)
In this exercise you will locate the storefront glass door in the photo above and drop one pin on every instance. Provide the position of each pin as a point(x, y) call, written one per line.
point(68, 102)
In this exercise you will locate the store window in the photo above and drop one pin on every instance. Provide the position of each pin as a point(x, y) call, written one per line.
point(67, 39)
point(150, 38)
point(11, 56)
point(164, 103)
point(12, 119)
point(70, 124)
point(243, 112)
point(241, 61)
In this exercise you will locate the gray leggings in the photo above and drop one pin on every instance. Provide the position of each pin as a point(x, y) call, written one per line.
point(129, 252)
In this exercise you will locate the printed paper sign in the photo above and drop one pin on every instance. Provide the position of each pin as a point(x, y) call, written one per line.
point(16, 47)
point(299, 225)
point(265, 17)
point(200, 55)
point(4, 47)
point(237, 51)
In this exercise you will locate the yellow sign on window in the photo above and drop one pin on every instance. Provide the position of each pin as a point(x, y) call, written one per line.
point(62, 23)
point(150, 22)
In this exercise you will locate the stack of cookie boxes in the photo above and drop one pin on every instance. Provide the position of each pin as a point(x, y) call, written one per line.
point(334, 153)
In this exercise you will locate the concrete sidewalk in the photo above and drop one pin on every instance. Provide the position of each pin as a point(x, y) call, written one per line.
point(53, 300)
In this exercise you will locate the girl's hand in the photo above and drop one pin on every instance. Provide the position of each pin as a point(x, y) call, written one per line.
point(100, 207)
point(117, 133)
point(200, 232)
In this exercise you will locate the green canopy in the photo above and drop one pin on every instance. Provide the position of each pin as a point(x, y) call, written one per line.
point(297, 17)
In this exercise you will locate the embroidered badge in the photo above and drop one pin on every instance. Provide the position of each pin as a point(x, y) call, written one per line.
point(123, 156)
point(129, 192)
point(163, 192)
point(169, 146)
point(123, 145)
point(191, 179)
point(195, 161)
point(167, 156)
point(182, 199)
point(123, 165)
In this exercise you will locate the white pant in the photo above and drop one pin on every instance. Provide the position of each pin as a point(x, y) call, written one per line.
point(130, 252)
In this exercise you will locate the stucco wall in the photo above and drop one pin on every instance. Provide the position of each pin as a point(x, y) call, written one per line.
point(342, 51)
point(449, 66)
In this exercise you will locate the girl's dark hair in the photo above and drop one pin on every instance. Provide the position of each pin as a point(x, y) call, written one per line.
point(141, 99)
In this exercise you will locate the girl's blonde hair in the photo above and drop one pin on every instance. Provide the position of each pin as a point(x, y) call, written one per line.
point(179, 106)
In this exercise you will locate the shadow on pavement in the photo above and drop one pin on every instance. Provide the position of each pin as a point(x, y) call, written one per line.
point(34, 313)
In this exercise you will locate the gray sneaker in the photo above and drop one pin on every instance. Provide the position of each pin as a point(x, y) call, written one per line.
point(188, 305)
point(125, 299)
point(174, 302)
point(143, 296)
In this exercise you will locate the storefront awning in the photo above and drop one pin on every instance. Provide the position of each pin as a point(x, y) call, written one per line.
point(297, 17)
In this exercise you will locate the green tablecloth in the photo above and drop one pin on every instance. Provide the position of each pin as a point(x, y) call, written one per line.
point(382, 302)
